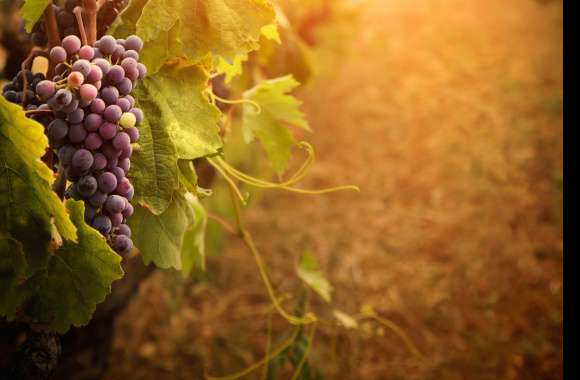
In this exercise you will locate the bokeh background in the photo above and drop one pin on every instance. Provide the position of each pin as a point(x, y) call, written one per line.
point(448, 115)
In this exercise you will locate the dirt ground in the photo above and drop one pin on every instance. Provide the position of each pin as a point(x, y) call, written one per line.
point(448, 115)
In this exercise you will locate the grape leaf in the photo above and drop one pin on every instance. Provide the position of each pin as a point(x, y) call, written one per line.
point(12, 271)
point(28, 206)
point(308, 270)
point(278, 109)
point(193, 250)
point(180, 123)
point(159, 238)
point(31, 11)
point(195, 29)
point(230, 69)
point(76, 277)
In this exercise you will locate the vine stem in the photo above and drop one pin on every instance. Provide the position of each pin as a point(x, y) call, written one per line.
point(78, 15)
point(51, 27)
point(37, 111)
point(90, 12)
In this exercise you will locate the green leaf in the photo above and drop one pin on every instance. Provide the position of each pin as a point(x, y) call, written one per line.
point(180, 123)
point(28, 206)
point(13, 269)
point(230, 69)
point(187, 175)
point(345, 320)
point(278, 110)
point(65, 292)
point(195, 29)
point(270, 32)
point(159, 238)
point(309, 271)
point(31, 11)
point(193, 250)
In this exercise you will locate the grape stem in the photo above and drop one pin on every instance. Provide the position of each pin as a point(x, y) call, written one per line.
point(78, 15)
point(90, 12)
point(37, 111)
point(51, 27)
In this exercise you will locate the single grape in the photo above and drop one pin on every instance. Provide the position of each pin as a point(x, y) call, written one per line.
point(133, 43)
point(98, 199)
point(131, 54)
point(125, 86)
point(107, 130)
point(116, 219)
point(142, 70)
point(121, 141)
point(45, 89)
point(65, 154)
point(126, 153)
point(77, 134)
point(99, 161)
point(82, 159)
point(13, 96)
point(112, 113)
point(123, 229)
point(130, 192)
point(128, 211)
point(90, 213)
point(138, 115)
point(110, 94)
point(57, 55)
point(98, 106)
point(118, 53)
point(127, 120)
point(73, 105)
point(72, 192)
point(76, 116)
point(95, 75)
point(115, 74)
point(110, 152)
point(129, 64)
point(71, 44)
point(83, 66)
point(103, 64)
point(58, 129)
point(114, 204)
point(119, 173)
point(132, 74)
point(98, 84)
point(125, 105)
point(122, 244)
point(88, 92)
point(107, 45)
point(125, 164)
point(62, 97)
point(75, 79)
point(131, 100)
point(86, 52)
point(93, 121)
point(107, 182)
point(121, 41)
point(112, 163)
point(97, 53)
point(87, 186)
point(123, 186)
point(102, 224)
point(93, 141)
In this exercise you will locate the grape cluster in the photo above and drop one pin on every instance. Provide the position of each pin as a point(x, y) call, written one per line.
point(94, 125)
point(65, 20)
point(16, 93)
point(108, 12)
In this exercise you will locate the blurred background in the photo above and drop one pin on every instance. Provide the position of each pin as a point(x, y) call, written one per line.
point(448, 115)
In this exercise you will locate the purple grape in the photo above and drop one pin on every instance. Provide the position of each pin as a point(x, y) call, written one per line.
point(93, 121)
point(119, 173)
point(131, 54)
point(65, 154)
point(107, 45)
point(88, 92)
point(129, 64)
point(133, 43)
point(128, 211)
point(87, 186)
point(133, 134)
point(73, 105)
point(93, 141)
point(126, 153)
point(110, 94)
point(83, 66)
point(114, 204)
point(71, 44)
point(72, 192)
point(124, 104)
point(112, 163)
point(118, 53)
point(77, 134)
point(98, 106)
point(125, 164)
point(142, 70)
point(131, 100)
point(76, 116)
point(98, 199)
point(132, 74)
point(123, 186)
point(107, 130)
point(130, 193)
point(115, 74)
point(116, 219)
point(103, 64)
point(121, 41)
point(60, 69)
point(82, 159)
point(122, 244)
point(102, 224)
point(125, 86)
point(57, 54)
point(86, 52)
point(62, 97)
point(112, 113)
point(121, 141)
point(57, 129)
point(107, 182)
point(45, 89)
point(95, 75)
point(124, 229)
point(99, 161)
point(109, 151)
point(90, 213)
point(138, 115)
